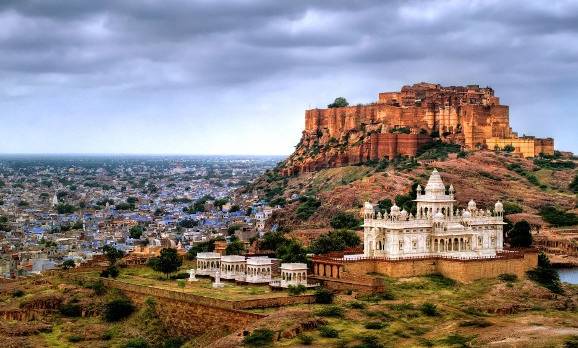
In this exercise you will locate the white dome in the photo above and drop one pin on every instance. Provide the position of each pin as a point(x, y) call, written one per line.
point(435, 185)
point(467, 214)
point(368, 206)
point(404, 213)
point(498, 207)
point(395, 209)
point(472, 205)
point(439, 216)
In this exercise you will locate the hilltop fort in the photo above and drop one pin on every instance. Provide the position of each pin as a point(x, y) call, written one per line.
point(400, 123)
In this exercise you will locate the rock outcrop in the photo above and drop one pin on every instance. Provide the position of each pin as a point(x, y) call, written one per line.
point(399, 123)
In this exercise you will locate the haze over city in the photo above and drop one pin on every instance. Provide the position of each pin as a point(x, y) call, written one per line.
point(234, 77)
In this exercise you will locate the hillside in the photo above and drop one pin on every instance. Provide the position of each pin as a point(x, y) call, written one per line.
point(485, 176)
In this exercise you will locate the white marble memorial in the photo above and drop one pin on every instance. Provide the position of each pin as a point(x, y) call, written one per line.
point(192, 277)
point(233, 266)
point(293, 274)
point(258, 270)
point(217, 283)
point(437, 229)
point(208, 263)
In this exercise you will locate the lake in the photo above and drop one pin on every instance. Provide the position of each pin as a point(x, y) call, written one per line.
point(569, 275)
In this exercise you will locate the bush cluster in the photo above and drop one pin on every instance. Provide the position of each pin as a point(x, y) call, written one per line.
point(546, 275)
point(557, 217)
point(259, 338)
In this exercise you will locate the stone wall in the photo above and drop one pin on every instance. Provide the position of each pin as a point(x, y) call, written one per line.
point(463, 270)
point(189, 315)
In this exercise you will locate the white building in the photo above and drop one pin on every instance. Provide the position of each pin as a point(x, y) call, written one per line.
point(293, 274)
point(437, 229)
point(208, 263)
point(233, 266)
point(258, 270)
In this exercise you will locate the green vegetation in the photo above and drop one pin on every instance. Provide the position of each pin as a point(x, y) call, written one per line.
point(331, 311)
point(512, 208)
point(508, 277)
point(437, 150)
point(118, 309)
point(345, 220)
point(533, 179)
point(546, 275)
point(295, 290)
point(400, 130)
point(168, 262)
point(136, 232)
point(307, 207)
point(206, 246)
point(334, 241)
point(339, 102)
point(429, 309)
point(374, 325)
point(235, 247)
point(288, 250)
point(328, 332)
point(557, 217)
point(547, 163)
point(65, 208)
point(324, 296)
point(519, 236)
point(384, 205)
point(67, 264)
point(259, 338)
point(306, 340)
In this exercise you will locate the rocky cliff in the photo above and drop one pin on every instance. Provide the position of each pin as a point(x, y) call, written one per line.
point(398, 124)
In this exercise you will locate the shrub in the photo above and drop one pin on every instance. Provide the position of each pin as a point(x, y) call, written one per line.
point(512, 208)
point(545, 275)
point(98, 287)
point(520, 236)
point(107, 336)
point(331, 311)
point(571, 342)
point(557, 217)
point(306, 340)
point(259, 337)
point(328, 332)
point(324, 296)
point(71, 310)
point(334, 241)
point(574, 184)
point(440, 280)
point(74, 338)
point(307, 208)
point(136, 343)
point(476, 323)
point(180, 275)
point(356, 305)
point(378, 296)
point(370, 341)
point(508, 277)
point(118, 309)
point(429, 309)
point(295, 290)
point(111, 271)
point(374, 325)
point(344, 220)
point(17, 293)
point(339, 102)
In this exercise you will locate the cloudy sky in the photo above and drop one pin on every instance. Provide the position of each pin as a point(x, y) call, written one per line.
point(234, 76)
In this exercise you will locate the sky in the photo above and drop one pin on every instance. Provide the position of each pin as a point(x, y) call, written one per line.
point(235, 76)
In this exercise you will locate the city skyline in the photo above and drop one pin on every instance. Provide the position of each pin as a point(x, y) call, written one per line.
point(191, 77)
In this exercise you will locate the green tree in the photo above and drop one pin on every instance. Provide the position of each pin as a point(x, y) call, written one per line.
point(509, 148)
point(235, 247)
point(291, 251)
point(112, 254)
point(546, 275)
point(385, 205)
point(136, 232)
point(345, 220)
point(520, 236)
point(339, 102)
point(334, 241)
point(168, 262)
point(67, 264)
point(65, 208)
point(200, 247)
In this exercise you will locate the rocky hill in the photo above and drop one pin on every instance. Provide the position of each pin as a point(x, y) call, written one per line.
point(309, 200)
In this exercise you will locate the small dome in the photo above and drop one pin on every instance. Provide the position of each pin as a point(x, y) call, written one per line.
point(472, 205)
point(404, 213)
point(452, 190)
point(368, 206)
point(439, 216)
point(499, 207)
point(467, 214)
point(395, 209)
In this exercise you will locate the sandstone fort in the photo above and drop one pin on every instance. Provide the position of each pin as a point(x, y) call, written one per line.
point(400, 123)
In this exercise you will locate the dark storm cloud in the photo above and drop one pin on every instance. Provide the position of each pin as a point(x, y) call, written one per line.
point(131, 46)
